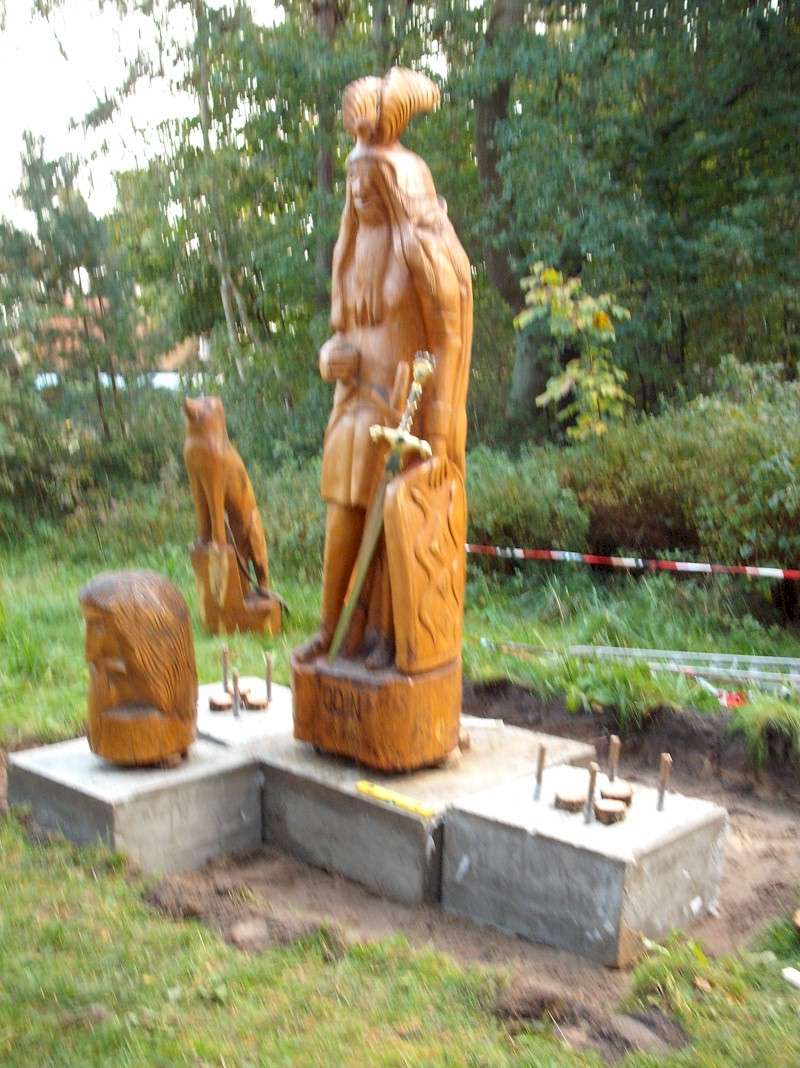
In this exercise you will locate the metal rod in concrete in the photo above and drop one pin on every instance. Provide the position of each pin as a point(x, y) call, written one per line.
point(537, 792)
point(664, 773)
point(237, 700)
point(268, 663)
point(588, 812)
point(614, 747)
point(225, 666)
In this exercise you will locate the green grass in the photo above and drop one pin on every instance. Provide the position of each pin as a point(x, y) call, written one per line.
point(91, 976)
point(43, 675)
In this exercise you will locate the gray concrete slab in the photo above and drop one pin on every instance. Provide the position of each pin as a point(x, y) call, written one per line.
point(318, 807)
point(163, 819)
point(527, 867)
point(249, 728)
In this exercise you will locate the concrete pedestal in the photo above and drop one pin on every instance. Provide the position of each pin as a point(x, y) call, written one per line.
point(596, 890)
point(325, 810)
point(163, 819)
point(249, 729)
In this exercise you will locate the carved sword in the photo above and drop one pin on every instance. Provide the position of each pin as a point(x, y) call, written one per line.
point(400, 441)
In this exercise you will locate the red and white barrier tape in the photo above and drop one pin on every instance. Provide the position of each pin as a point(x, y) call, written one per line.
point(635, 563)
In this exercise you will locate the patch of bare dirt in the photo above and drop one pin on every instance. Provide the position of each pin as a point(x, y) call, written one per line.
point(226, 902)
point(272, 885)
point(611, 1035)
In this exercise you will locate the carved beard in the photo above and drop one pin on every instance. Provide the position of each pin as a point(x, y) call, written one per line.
point(372, 246)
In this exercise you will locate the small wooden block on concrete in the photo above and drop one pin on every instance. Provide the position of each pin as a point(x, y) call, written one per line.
point(163, 819)
point(526, 866)
point(383, 830)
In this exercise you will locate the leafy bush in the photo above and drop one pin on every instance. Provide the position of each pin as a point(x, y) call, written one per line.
point(53, 465)
point(294, 517)
point(520, 501)
point(769, 725)
point(720, 475)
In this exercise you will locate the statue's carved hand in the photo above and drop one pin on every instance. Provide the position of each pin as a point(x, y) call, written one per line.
point(338, 360)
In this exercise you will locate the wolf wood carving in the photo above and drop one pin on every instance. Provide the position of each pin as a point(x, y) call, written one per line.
point(401, 286)
point(230, 534)
point(143, 682)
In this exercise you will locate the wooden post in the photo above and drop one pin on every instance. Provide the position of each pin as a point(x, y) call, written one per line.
point(664, 773)
point(588, 813)
point(614, 747)
point(237, 700)
point(268, 663)
point(537, 793)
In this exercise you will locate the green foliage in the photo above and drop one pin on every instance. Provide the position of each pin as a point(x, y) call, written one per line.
point(520, 502)
point(717, 475)
point(770, 726)
point(55, 465)
point(576, 320)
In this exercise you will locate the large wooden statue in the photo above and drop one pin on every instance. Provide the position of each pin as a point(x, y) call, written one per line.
point(230, 535)
point(381, 681)
point(143, 682)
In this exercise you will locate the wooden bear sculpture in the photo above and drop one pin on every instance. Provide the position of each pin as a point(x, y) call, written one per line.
point(230, 534)
point(143, 682)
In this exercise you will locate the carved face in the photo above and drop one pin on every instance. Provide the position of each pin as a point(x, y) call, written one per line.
point(204, 414)
point(363, 178)
point(143, 682)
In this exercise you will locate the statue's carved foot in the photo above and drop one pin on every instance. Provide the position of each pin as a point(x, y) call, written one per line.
point(382, 656)
point(316, 646)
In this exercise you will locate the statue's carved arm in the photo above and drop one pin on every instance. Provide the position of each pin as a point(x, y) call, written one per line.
point(441, 311)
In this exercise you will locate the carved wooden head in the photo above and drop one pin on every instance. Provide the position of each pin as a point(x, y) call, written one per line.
point(204, 415)
point(143, 680)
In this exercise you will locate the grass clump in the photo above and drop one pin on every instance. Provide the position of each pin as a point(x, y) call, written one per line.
point(769, 725)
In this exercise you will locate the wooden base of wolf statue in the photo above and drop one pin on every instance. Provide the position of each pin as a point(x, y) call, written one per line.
point(227, 602)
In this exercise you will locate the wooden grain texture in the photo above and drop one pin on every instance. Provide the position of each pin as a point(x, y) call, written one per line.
point(230, 535)
point(223, 604)
point(384, 720)
point(426, 521)
point(143, 680)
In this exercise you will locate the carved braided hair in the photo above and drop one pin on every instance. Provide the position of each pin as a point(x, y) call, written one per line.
point(377, 110)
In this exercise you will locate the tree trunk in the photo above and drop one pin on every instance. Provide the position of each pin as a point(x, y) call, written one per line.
point(98, 392)
point(507, 19)
point(219, 242)
point(325, 12)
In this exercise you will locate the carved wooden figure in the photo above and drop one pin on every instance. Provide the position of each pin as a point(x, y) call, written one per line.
point(143, 682)
point(230, 535)
point(386, 688)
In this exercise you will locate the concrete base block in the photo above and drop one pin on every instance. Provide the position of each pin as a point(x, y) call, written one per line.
point(248, 729)
point(316, 807)
point(596, 890)
point(163, 819)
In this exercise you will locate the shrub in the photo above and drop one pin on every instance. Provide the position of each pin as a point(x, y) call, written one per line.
point(53, 465)
point(720, 475)
point(294, 517)
point(520, 501)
